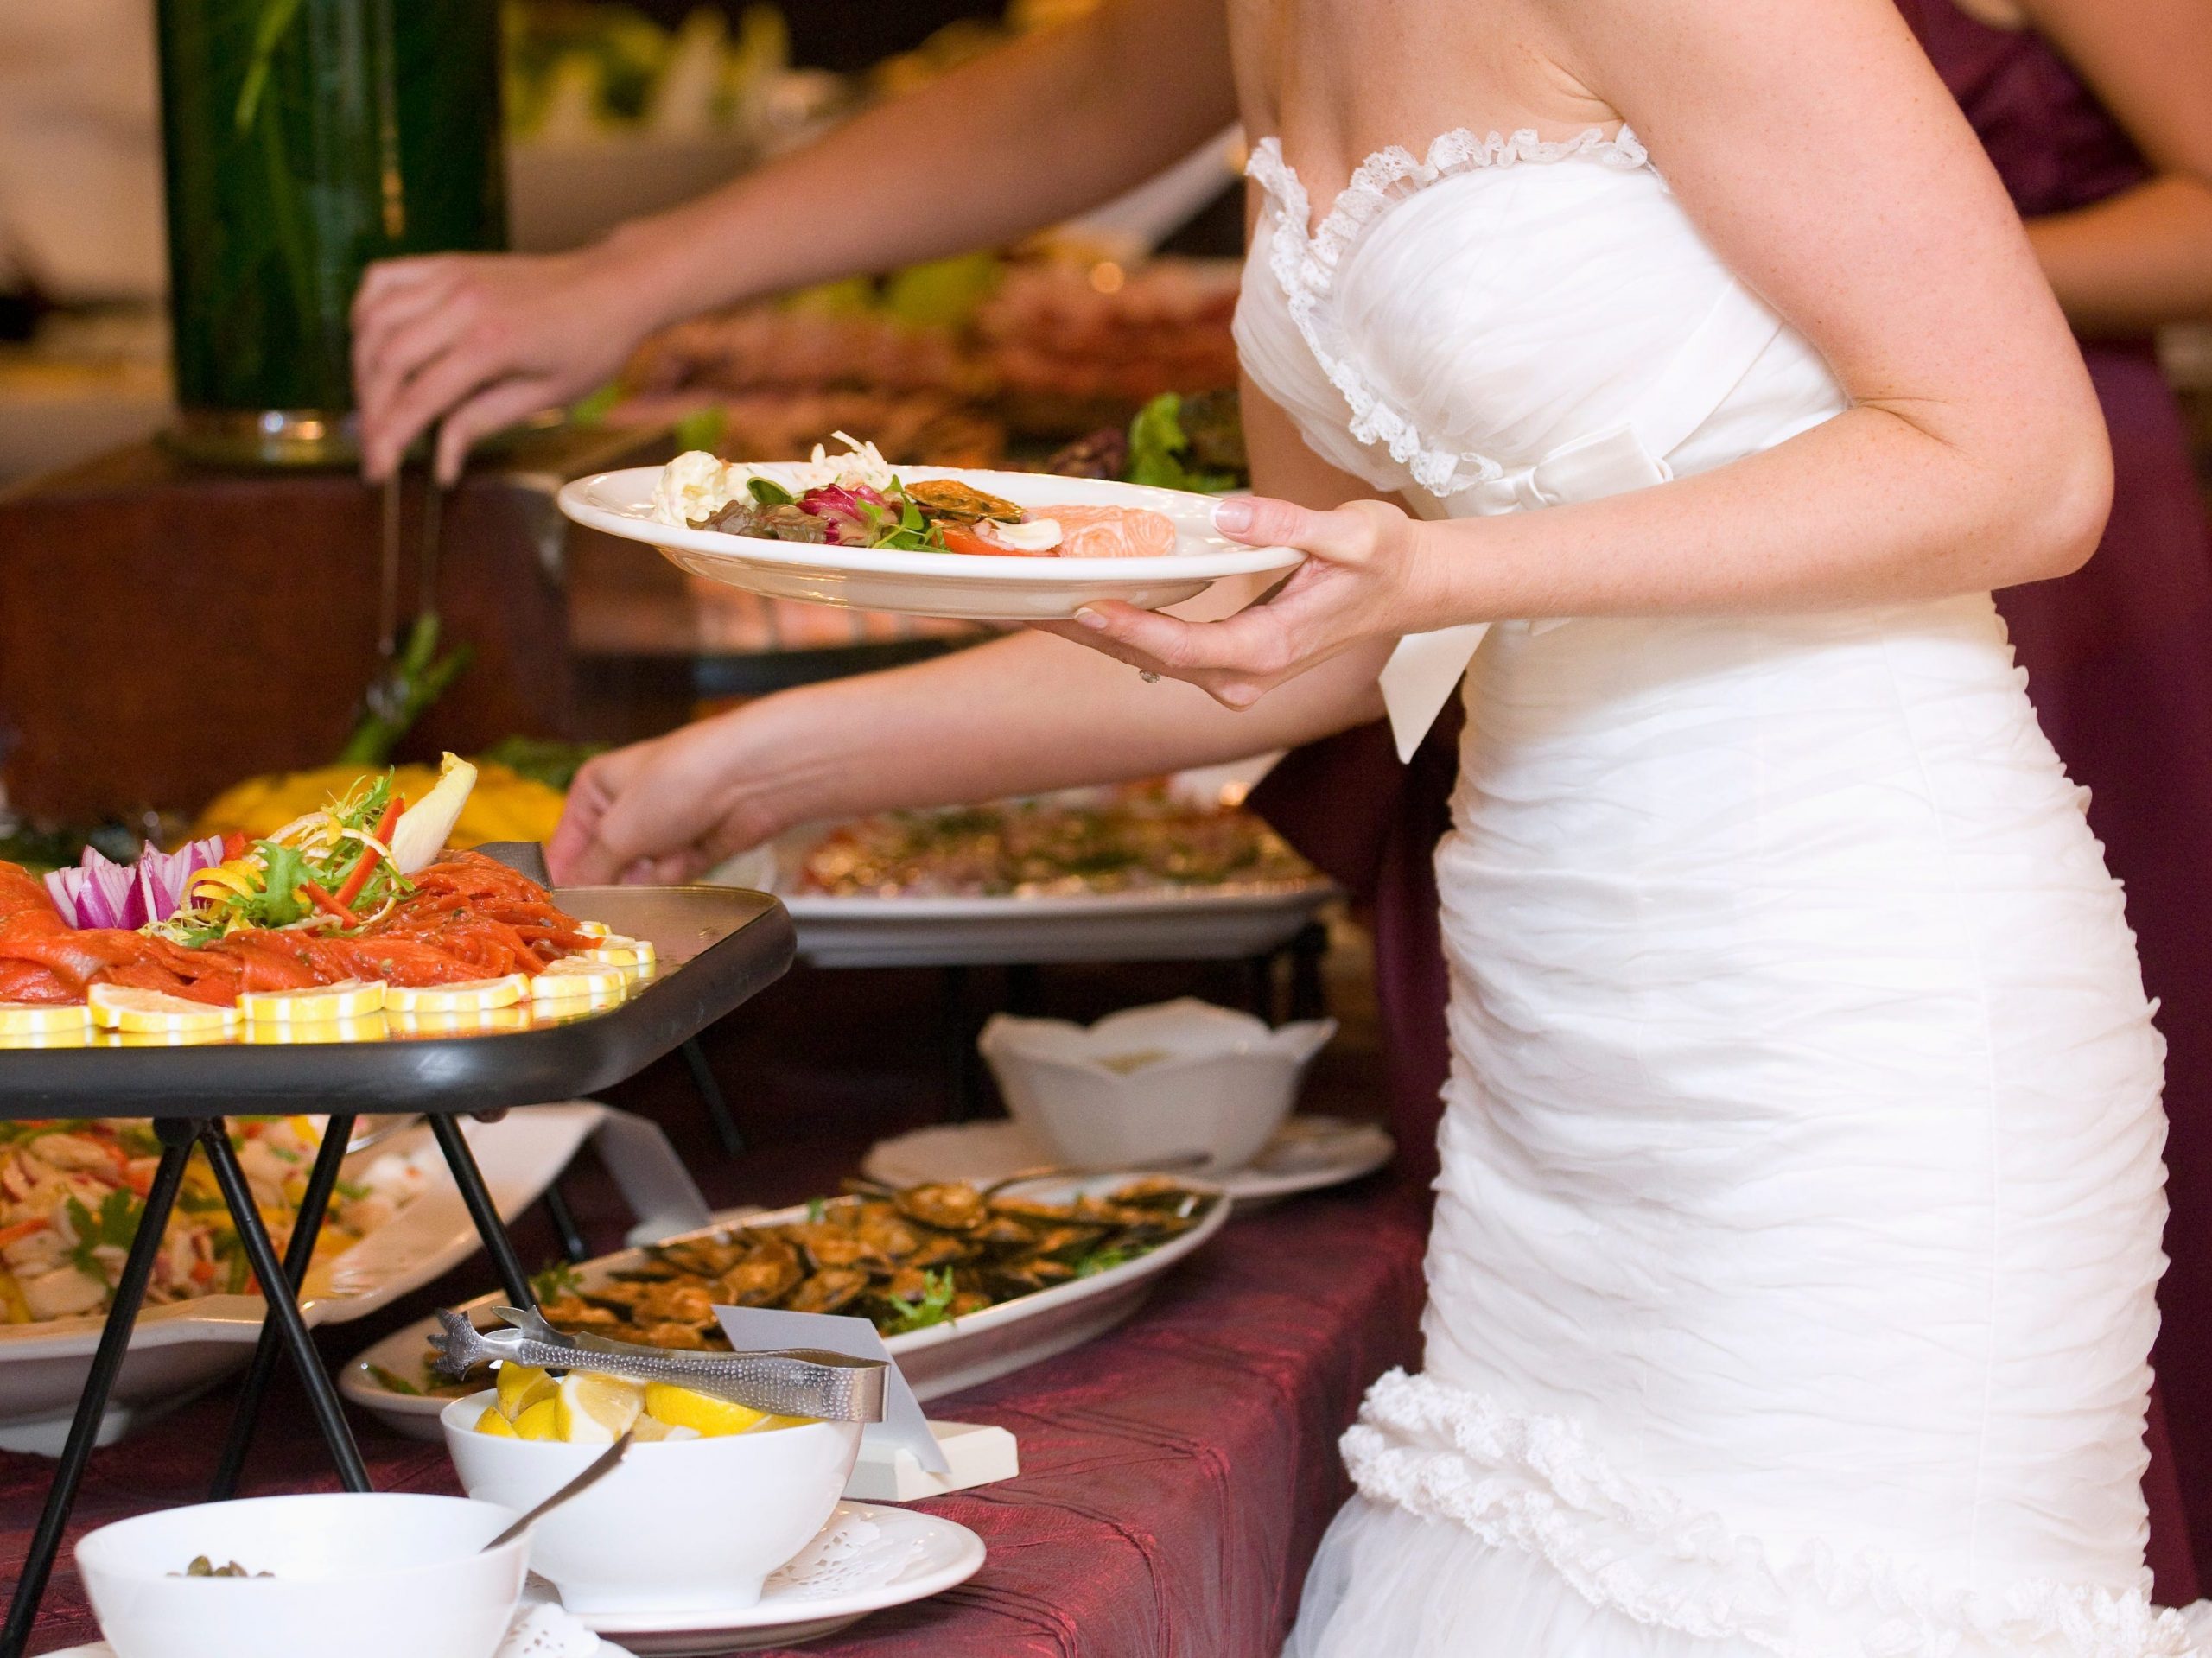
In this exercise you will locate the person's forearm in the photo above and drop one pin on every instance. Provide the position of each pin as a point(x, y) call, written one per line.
point(1017, 715)
point(1041, 129)
point(2134, 262)
point(1866, 509)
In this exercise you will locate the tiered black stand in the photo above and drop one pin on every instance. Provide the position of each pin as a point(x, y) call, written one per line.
point(717, 947)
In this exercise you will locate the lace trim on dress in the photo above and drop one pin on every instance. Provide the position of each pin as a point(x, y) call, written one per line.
point(1305, 265)
point(1536, 1484)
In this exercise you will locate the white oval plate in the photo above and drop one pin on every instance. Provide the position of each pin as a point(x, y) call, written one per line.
point(1307, 1153)
point(178, 1349)
point(941, 1359)
point(939, 584)
point(940, 1554)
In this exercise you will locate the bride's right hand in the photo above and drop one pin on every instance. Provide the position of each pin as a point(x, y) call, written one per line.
point(483, 340)
point(664, 811)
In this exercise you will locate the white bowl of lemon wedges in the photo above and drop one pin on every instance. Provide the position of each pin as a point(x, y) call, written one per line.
point(712, 1498)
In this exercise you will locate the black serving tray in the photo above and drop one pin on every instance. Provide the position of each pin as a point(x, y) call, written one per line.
point(716, 946)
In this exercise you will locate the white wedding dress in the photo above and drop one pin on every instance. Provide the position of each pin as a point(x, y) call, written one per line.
point(1791, 1288)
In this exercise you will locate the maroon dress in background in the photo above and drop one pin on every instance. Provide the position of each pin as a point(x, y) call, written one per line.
point(2119, 658)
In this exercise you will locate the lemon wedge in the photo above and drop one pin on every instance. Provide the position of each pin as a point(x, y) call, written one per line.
point(577, 977)
point(541, 1422)
point(708, 1416)
point(44, 1018)
point(522, 1386)
point(786, 1421)
point(649, 1429)
point(153, 1013)
point(371, 1028)
point(353, 999)
point(497, 1425)
point(475, 996)
point(595, 1409)
point(615, 951)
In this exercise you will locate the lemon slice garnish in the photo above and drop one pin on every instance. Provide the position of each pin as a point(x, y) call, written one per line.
point(522, 1386)
point(708, 1416)
point(595, 1409)
point(153, 1013)
point(493, 1423)
point(576, 976)
point(596, 929)
point(475, 996)
point(354, 999)
point(370, 1029)
point(483, 1022)
point(79, 1036)
point(44, 1018)
point(616, 951)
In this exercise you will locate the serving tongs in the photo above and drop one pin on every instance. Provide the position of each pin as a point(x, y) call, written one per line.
point(784, 1382)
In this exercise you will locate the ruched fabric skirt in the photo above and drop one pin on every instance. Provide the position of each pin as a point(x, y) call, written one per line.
point(1791, 1290)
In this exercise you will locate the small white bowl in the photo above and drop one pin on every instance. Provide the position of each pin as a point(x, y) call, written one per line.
point(1174, 1079)
point(353, 1575)
point(682, 1526)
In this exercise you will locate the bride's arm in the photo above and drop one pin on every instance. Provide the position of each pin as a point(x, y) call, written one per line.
point(1014, 716)
point(1819, 153)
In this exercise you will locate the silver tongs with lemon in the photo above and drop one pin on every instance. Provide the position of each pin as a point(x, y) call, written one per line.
point(611, 1387)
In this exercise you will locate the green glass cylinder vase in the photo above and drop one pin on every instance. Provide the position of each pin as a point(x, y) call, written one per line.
point(302, 140)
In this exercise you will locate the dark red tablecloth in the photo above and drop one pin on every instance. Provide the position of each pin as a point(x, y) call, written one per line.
point(1177, 1472)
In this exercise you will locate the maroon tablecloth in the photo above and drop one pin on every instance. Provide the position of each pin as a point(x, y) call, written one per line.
point(1177, 1473)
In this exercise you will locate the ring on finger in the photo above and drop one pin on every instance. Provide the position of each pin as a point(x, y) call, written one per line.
point(1149, 676)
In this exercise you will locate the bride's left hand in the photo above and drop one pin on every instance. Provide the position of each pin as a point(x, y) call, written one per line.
point(1365, 577)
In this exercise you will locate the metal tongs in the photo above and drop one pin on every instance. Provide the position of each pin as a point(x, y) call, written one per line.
point(784, 1381)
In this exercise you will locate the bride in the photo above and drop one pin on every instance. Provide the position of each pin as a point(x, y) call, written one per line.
point(1674, 380)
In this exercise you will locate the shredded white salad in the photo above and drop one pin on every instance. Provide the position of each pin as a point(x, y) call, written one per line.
point(696, 484)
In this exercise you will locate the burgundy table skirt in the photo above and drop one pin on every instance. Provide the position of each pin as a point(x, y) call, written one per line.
point(1177, 1473)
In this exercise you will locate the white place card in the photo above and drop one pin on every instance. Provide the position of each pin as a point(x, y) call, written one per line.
point(751, 1328)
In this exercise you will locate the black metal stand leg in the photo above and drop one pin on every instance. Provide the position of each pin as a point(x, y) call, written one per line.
point(1024, 991)
point(482, 1210)
point(710, 1095)
point(564, 1224)
point(299, 1255)
point(283, 1312)
point(92, 1403)
point(1260, 986)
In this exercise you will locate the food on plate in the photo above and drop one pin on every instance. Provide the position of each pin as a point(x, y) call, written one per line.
point(1142, 838)
point(202, 1566)
point(504, 805)
point(72, 1192)
point(584, 1408)
point(856, 499)
point(357, 894)
point(905, 1260)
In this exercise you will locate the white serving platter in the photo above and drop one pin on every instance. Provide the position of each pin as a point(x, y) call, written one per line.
point(177, 1348)
point(968, 587)
point(941, 1359)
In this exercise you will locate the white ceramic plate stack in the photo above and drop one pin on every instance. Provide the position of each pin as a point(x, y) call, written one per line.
point(971, 587)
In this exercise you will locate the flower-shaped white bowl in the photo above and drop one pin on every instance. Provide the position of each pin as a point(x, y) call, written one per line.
point(353, 1575)
point(1177, 1078)
point(683, 1525)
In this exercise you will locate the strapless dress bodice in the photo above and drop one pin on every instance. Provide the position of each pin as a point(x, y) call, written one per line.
point(1451, 321)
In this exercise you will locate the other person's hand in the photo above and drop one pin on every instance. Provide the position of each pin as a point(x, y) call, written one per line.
point(482, 340)
point(661, 811)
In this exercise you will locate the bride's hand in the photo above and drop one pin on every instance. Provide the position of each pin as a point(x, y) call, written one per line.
point(1368, 574)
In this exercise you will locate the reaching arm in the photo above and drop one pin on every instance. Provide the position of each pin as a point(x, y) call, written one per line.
point(2142, 258)
point(1826, 163)
point(1019, 139)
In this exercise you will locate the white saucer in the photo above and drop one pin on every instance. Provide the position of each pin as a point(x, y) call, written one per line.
point(1307, 1153)
point(867, 1558)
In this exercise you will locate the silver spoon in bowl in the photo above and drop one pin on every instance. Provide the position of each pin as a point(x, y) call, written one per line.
point(600, 1467)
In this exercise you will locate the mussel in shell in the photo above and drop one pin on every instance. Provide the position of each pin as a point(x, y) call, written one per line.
point(952, 503)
